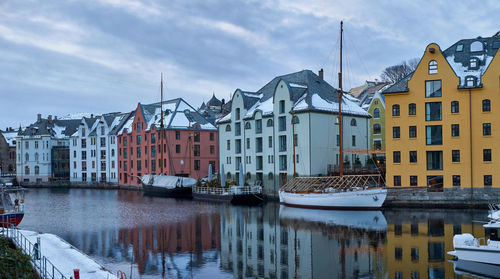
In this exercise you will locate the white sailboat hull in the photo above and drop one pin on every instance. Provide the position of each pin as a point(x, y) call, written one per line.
point(361, 199)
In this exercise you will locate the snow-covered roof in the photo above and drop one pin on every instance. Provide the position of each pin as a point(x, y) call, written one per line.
point(10, 137)
point(55, 128)
point(76, 115)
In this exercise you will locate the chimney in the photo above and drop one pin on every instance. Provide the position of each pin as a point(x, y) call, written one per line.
point(39, 117)
point(55, 117)
point(50, 117)
point(320, 73)
point(91, 115)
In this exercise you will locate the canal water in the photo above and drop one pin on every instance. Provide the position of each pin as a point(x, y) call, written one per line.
point(149, 237)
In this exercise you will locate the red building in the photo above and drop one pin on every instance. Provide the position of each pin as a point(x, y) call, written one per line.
point(189, 143)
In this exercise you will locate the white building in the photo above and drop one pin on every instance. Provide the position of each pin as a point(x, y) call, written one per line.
point(258, 132)
point(42, 150)
point(94, 149)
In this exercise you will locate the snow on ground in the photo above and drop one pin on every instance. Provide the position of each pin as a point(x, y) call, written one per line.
point(65, 257)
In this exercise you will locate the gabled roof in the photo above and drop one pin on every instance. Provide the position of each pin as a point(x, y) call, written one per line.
point(399, 86)
point(10, 137)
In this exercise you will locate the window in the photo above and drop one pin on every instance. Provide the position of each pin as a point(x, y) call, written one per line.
point(295, 120)
point(258, 144)
point(412, 109)
point(124, 141)
point(228, 145)
point(413, 131)
point(395, 110)
point(138, 127)
point(395, 132)
point(413, 156)
point(434, 135)
point(247, 126)
point(455, 156)
point(432, 88)
point(238, 146)
point(413, 180)
point(177, 148)
point(353, 140)
point(433, 111)
point(282, 123)
point(376, 113)
point(178, 134)
point(138, 140)
point(455, 130)
point(282, 143)
point(153, 151)
point(258, 126)
point(138, 155)
point(397, 180)
point(283, 165)
point(486, 155)
point(269, 123)
point(228, 128)
point(486, 105)
point(258, 162)
point(473, 63)
point(237, 129)
point(295, 140)
point(237, 116)
point(488, 180)
point(456, 180)
point(486, 129)
point(282, 106)
point(197, 164)
point(460, 47)
point(396, 157)
point(377, 130)
point(476, 46)
point(212, 149)
point(153, 138)
point(270, 141)
point(434, 160)
point(455, 107)
point(196, 150)
point(414, 255)
point(353, 122)
point(196, 136)
point(470, 81)
point(433, 67)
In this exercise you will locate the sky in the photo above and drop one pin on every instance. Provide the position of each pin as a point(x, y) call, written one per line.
point(70, 56)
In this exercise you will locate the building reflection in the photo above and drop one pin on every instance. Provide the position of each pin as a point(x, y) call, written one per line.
point(273, 244)
point(418, 241)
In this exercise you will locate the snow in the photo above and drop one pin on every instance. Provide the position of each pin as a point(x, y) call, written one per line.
point(265, 107)
point(319, 103)
point(127, 125)
point(463, 72)
point(227, 117)
point(59, 132)
point(65, 257)
point(297, 85)
point(10, 137)
point(76, 115)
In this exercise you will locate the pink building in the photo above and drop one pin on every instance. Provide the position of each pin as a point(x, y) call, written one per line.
point(190, 142)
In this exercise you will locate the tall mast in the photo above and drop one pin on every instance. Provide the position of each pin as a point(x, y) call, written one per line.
point(293, 142)
point(341, 154)
point(161, 126)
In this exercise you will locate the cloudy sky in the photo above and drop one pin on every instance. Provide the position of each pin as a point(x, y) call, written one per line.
point(60, 57)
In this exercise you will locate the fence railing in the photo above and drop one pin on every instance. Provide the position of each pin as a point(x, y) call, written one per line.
point(43, 266)
point(232, 190)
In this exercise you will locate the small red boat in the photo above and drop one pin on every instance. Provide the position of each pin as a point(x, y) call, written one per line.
point(11, 205)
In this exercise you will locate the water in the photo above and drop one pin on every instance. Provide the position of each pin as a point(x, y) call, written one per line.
point(165, 238)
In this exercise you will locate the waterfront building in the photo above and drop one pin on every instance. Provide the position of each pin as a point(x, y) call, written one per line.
point(189, 146)
point(444, 119)
point(94, 148)
point(214, 109)
point(8, 151)
point(42, 150)
point(290, 123)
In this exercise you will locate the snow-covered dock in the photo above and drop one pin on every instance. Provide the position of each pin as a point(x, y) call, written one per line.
point(65, 257)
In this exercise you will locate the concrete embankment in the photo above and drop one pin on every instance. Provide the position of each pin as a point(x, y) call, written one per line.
point(100, 186)
point(448, 198)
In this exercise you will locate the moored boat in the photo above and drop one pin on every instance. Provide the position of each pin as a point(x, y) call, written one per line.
point(237, 195)
point(11, 206)
point(168, 186)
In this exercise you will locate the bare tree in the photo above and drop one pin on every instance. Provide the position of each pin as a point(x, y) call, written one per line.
point(395, 73)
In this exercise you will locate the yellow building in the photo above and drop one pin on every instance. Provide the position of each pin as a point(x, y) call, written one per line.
point(443, 120)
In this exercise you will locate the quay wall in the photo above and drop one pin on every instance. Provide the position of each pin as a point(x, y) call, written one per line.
point(81, 185)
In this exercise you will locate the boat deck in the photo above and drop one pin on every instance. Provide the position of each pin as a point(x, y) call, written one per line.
point(323, 184)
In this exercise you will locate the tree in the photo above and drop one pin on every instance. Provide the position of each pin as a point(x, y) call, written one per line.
point(395, 73)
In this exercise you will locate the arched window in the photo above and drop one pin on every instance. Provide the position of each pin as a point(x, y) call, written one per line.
point(433, 67)
point(270, 176)
point(27, 170)
point(476, 46)
point(353, 122)
point(486, 105)
point(237, 114)
point(37, 170)
point(376, 129)
point(412, 109)
point(36, 156)
point(295, 119)
point(269, 123)
point(395, 110)
point(247, 126)
point(228, 128)
point(27, 157)
point(376, 113)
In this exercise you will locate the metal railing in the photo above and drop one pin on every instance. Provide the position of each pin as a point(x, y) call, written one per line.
point(231, 190)
point(43, 266)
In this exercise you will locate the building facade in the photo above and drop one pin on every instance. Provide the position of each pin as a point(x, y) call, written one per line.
point(94, 149)
point(35, 161)
point(377, 123)
point(290, 125)
point(443, 119)
point(8, 152)
point(189, 142)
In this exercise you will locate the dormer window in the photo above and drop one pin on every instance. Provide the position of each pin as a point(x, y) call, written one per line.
point(433, 67)
point(473, 63)
point(460, 48)
point(470, 81)
point(476, 46)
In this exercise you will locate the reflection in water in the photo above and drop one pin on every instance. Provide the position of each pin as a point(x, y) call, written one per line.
point(163, 238)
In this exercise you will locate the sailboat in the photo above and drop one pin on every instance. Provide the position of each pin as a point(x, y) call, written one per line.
point(335, 192)
point(166, 185)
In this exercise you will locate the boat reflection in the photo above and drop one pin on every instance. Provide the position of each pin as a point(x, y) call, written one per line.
point(269, 244)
